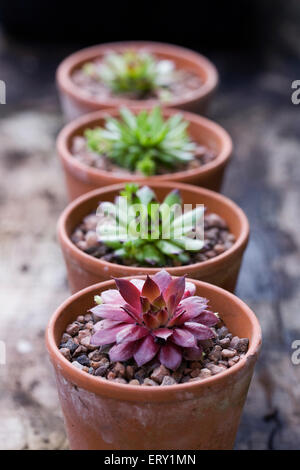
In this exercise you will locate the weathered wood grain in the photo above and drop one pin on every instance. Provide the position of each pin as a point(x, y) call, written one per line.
point(253, 103)
point(264, 178)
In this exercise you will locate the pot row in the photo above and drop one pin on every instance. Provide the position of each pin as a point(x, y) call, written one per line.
point(102, 414)
point(107, 415)
point(92, 185)
point(77, 102)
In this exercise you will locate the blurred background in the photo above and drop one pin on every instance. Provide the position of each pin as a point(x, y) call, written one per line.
point(256, 48)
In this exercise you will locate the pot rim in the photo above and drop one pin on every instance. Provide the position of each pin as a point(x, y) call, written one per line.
point(66, 67)
point(96, 263)
point(142, 393)
point(68, 159)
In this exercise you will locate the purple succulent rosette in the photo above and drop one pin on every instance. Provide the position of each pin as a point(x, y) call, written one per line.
point(160, 317)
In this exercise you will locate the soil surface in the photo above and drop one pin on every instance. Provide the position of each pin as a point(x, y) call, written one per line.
point(84, 155)
point(217, 239)
point(184, 82)
point(220, 353)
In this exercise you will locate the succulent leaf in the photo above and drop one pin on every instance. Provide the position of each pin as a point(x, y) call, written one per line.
point(150, 290)
point(170, 356)
point(130, 293)
point(145, 195)
point(174, 292)
point(173, 198)
point(131, 333)
point(193, 354)
point(106, 335)
point(122, 351)
point(162, 279)
point(112, 312)
point(184, 338)
point(146, 350)
point(168, 248)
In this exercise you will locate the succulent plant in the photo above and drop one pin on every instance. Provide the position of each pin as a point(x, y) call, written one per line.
point(142, 231)
point(160, 317)
point(144, 141)
point(134, 72)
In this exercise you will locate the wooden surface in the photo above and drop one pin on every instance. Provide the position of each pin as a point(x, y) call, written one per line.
point(253, 104)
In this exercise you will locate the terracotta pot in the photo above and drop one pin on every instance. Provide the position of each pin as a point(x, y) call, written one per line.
point(196, 415)
point(76, 102)
point(85, 270)
point(81, 178)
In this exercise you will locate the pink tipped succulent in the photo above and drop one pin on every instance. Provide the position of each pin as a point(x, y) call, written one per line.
point(158, 317)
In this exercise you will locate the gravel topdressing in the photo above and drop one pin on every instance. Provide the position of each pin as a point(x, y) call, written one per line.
point(220, 353)
point(217, 239)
